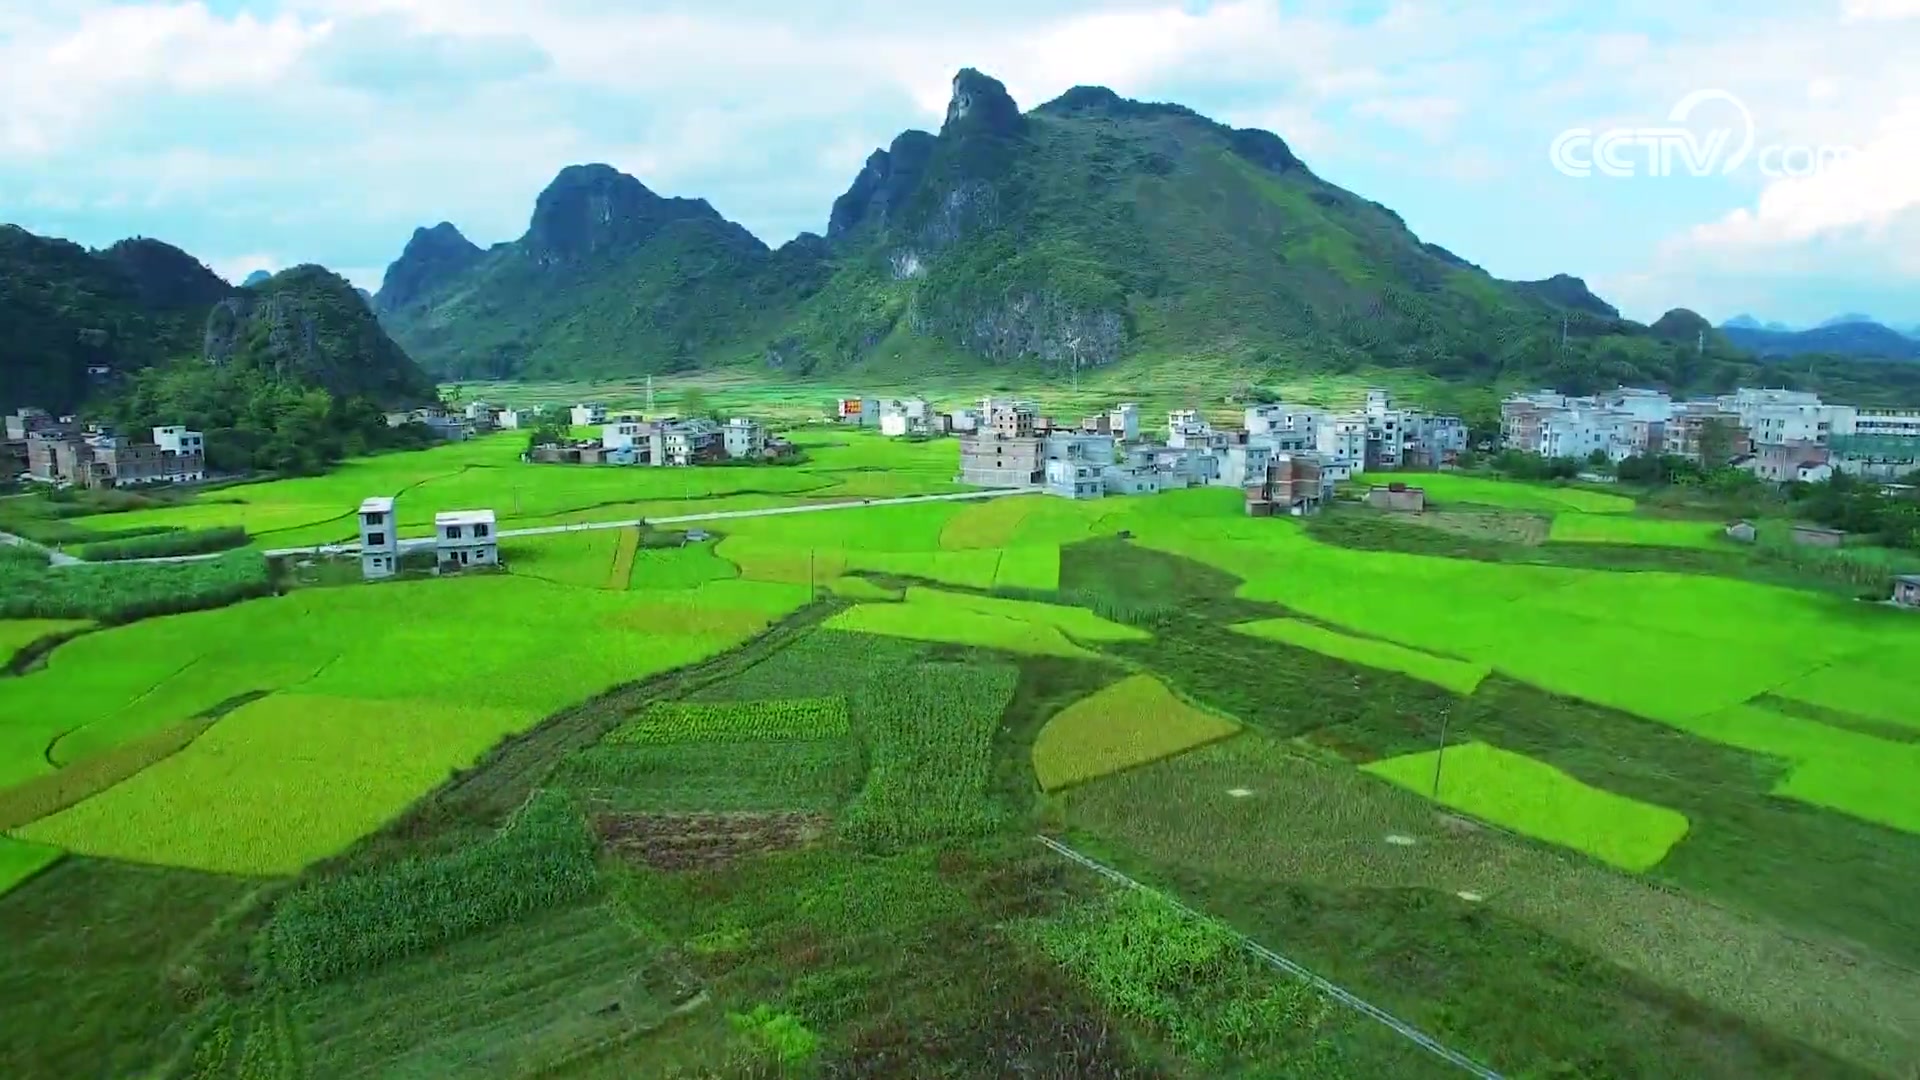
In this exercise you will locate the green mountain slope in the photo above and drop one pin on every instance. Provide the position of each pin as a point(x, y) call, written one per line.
point(64, 309)
point(1089, 231)
point(609, 277)
point(310, 327)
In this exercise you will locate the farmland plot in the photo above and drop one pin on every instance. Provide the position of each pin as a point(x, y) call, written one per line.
point(989, 622)
point(673, 721)
point(1540, 801)
point(1130, 723)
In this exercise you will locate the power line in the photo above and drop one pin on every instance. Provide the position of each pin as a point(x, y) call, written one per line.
point(1298, 971)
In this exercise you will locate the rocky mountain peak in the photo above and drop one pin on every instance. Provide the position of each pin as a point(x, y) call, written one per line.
point(431, 256)
point(885, 182)
point(980, 103)
point(590, 209)
point(164, 276)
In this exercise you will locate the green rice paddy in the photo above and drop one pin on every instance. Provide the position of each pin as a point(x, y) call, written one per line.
point(1461, 678)
point(980, 669)
point(1541, 801)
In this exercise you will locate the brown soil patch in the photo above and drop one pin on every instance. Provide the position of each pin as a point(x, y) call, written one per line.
point(702, 841)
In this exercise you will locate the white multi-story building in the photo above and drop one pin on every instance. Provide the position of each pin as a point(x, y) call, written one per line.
point(744, 438)
point(379, 539)
point(1186, 428)
point(626, 434)
point(588, 414)
point(1123, 420)
point(1343, 440)
point(179, 440)
point(464, 538)
point(1578, 433)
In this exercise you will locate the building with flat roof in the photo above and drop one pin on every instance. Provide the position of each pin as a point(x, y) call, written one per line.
point(379, 538)
point(464, 538)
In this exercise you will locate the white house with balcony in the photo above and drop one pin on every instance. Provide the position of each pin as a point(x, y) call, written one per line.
point(379, 539)
point(464, 538)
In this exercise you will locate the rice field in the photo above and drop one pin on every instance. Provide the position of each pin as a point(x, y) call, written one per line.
point(1448, 488)
point(1647, 532)
point(21, 859)
point(488, 472)
point(366, 710)
point(17, 634)
point(1455, 675)
point(1696, 646)
point(1132, 722)
point(1538, 800)
point(1019, 626)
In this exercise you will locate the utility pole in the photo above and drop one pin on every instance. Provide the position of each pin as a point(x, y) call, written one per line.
point(1563, 331)
point(1074, 344)
point(1440, 757)
point(809, 574)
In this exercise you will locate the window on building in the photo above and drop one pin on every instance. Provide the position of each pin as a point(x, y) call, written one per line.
point(480, 531)
point(376, 539)
point(453, 532)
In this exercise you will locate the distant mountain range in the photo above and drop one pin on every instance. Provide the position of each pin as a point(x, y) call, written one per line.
point(1088, 231)
point(1851, 334)
point(74, 321)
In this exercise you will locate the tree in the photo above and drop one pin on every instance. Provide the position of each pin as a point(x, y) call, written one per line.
point(693, 402)
point(1716, 442)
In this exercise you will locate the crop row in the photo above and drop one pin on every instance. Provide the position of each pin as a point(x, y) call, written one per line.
point(930, 730)
point(30, 589)
point(687, 721)
point(542, 859)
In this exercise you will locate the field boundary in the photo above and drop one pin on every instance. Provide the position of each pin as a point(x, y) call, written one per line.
point(1293, 968)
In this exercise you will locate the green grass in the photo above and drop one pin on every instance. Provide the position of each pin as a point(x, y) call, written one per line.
point(20, 860)
point(17, 634)
point(1461, 678)
point(1651, 532)
point(103, 968)
point(1540, 801)
point(1130, 723)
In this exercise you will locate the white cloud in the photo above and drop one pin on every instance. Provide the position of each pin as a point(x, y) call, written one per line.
point(236, 268)
point(1431, 118)
point(1880, 10)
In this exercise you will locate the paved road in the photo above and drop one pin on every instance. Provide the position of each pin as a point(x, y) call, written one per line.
point(412, 543)
point(57, 558)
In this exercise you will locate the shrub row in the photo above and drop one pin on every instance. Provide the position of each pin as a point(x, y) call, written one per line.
point(110, 593)
point(161, 545)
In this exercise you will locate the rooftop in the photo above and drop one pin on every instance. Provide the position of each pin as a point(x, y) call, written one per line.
point(463, 517)
point(379, 504)
point(1910, 579)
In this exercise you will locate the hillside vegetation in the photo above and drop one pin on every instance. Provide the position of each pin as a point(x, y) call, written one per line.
point(1089, 231)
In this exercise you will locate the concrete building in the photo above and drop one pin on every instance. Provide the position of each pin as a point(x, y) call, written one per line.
point(464, 538)
point(1398, 498)
point(694, 441)
point(1817, 536)
point(963, 421)
point(515, 419)
point(587, 414)
point(1123, 421)
point(1186, 427)
point(1342, 440)
point(860, 412)
point(1005, 450)
point(1074, 479)
point(1906, 591)
point(1242, 463)
point(626, 433)
point(379, 539)
point(1294, 485)
point(743, 438)
point(1879, 444)
point(26, 421)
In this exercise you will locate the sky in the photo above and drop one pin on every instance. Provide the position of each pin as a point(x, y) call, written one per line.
point(259, 134)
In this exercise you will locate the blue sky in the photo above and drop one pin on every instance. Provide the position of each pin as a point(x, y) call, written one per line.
point(263, 134)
